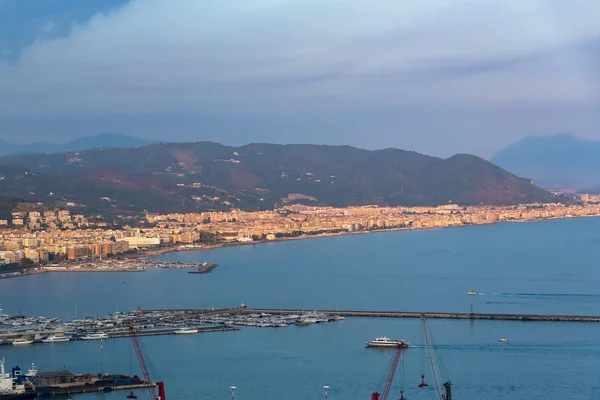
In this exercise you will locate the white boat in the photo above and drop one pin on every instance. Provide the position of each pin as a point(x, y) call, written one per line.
point(386, 342)
point(55, 339)
point(472, 292)
point(21, 341)
point(503, 340)
point(339, 318)
point(95, 336)
point(186, 331)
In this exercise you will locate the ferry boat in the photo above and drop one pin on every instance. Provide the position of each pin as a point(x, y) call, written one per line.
point(10, 389)
point(55, 339)
point(21, 341)
point(472, 292)
point(95, 336)
point(386, 342)
point(186, 331)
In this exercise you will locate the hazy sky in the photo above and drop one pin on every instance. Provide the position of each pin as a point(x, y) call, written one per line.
point(435, 76)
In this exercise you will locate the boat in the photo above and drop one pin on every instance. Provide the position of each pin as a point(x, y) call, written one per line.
point(55, 339)
point(472, 292)
point(21, 341)
point(95, 336)
point(503, 340)
point(10, 389)
point(386, 342)
point(185, 331)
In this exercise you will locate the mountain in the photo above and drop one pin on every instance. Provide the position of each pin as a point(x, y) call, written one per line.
point(6, 206)
point(209, 176)
point(557, 161)
point(101, 140)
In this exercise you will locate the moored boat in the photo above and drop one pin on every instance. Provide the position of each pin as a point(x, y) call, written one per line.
point(20, 341)
point(186, 331)
point(10, 389)
point(95, 336)
point(55, 339)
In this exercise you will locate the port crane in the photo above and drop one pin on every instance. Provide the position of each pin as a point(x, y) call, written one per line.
point(443, 387)
point(390, 377)
point(140, 355)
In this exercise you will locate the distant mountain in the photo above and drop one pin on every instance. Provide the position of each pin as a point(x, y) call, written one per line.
point(558, 161)
point(101, 140)
point(209, 176)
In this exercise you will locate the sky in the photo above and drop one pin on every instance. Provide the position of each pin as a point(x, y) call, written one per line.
point(438, 77)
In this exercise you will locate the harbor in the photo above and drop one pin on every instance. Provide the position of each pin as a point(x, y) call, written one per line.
point(22, 330)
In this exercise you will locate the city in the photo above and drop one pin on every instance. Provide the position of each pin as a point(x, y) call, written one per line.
point(66, 239)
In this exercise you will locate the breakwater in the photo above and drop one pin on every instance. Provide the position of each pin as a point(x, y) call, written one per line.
point(395, 314)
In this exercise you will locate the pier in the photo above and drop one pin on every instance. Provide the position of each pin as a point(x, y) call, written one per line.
point(391, 314)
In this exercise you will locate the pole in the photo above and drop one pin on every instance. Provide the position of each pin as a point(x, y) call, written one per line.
point(232, 392)
point(101, 358)
point(326, 389)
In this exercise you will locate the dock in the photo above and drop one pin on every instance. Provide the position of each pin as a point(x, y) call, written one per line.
point(392, 314)
point(68, 390)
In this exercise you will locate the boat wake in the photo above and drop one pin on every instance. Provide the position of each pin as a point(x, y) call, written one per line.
point(573, 296)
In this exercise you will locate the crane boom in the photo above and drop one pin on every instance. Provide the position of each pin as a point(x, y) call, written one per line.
point(390, 377)
point(443, 390)
point(142, 361)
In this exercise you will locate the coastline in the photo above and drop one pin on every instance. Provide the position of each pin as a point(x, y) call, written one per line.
point(157, 253)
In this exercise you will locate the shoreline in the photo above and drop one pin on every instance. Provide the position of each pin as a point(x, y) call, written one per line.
point(157, 253)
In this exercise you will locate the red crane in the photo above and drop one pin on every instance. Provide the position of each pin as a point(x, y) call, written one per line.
point(390, 377)
point(145, 372)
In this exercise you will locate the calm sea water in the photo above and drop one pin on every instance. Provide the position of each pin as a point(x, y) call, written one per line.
point(546, 267)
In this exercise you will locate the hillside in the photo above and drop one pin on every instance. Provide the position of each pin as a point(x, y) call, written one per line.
point(101, 140)
point(6, 206)
point(205, 176)
point(558, 161)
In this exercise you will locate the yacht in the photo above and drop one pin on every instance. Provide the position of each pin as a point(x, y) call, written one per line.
point(472, 292)
point(21, 341)
point(503, 340)
point(386, 342)
point(55, 339)
point(186, 331)
point(95, 336)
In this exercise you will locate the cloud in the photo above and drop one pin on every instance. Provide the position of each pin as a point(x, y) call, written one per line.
point(307, 58)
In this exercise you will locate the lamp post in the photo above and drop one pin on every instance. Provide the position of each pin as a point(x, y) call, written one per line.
point(232, 393)
point(326, 389)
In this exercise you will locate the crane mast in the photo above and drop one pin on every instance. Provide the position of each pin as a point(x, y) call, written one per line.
point(144, 367)
point(443, 390)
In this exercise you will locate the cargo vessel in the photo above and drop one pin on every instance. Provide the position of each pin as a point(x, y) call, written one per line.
point(10, 389)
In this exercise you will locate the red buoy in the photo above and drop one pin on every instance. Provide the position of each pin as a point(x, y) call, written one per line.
point(422, 384)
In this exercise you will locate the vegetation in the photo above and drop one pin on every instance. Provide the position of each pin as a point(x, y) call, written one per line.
point(211, 177)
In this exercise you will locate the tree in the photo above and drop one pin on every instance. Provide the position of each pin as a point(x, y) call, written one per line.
point(27, 262)
point(113, 238)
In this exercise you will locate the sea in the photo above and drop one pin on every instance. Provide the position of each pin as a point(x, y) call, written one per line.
point(549, 267)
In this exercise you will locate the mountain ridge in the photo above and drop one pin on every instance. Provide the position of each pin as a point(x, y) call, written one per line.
point(203, 176)
point(558, 161)
point(100, 140)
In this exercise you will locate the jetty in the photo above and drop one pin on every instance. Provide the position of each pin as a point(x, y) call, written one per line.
point(391, 314)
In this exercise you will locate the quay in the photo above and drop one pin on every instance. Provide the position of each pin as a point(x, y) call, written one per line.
point(88, 388)
point(390, 314)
